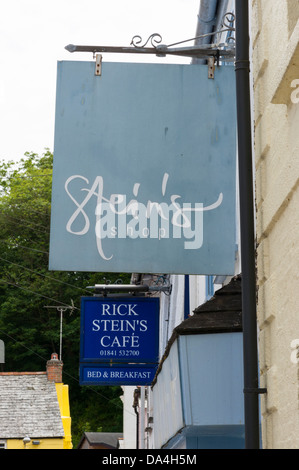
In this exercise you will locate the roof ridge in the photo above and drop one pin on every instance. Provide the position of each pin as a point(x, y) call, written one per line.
point(23, 373)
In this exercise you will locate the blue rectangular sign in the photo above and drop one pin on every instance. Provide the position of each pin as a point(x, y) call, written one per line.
point(144, 176)
point(118, 330)
point(116, 374)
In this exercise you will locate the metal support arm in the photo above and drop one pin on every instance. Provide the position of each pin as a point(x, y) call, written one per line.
point(132, 288)
point(202, 52)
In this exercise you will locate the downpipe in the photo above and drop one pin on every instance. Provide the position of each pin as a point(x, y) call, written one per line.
point(247, 229)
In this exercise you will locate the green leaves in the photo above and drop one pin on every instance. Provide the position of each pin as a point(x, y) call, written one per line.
point(25, 208)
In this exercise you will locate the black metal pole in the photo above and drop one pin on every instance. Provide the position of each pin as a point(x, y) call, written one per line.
point(251, 398)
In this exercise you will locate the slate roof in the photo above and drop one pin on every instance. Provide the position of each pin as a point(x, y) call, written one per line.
point(222, 313)
point(29, 406)
point(107, 439)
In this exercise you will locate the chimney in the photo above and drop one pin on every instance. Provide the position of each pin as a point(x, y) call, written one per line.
point(54, 369)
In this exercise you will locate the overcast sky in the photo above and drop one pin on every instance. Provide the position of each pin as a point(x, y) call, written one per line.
point(33, 35)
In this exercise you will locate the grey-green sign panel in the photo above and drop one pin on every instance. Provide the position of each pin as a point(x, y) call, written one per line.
point(144, 175)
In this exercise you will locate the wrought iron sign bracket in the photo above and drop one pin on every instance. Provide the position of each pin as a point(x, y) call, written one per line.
point(212, 53)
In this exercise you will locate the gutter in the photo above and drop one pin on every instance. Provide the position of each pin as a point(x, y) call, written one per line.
point(208, 20)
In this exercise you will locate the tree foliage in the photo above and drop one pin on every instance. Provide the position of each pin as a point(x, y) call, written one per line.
point(29, 328)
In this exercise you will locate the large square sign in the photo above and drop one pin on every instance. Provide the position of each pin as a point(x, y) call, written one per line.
point(144, 176)
point(119, 330)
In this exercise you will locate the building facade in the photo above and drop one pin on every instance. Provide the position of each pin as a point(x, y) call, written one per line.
point(196, 398)
point(274, 42)
point(275, 73)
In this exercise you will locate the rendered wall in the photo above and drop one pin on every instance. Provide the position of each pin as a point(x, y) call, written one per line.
point(211, 368)
point(63, 400)
point(198, 396)
point(167, 400)
point(275, 66)
point(43, 444)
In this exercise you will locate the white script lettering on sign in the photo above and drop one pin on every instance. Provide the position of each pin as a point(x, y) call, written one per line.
point(115, 218)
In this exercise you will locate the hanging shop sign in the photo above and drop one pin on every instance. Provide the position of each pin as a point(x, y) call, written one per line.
point(144, 176)
point(119, 340)
point(119, 329)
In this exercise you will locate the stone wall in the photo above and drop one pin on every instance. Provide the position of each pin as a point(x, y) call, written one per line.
point(275, 71)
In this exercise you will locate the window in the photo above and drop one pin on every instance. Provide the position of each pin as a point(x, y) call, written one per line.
point(209, 287)
point(2, 351)
point(2, 444)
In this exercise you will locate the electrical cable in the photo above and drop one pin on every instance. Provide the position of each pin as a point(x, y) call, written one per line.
point(73, 378)
point(24, 247)
point(45, 229)
point(43, 275)
point(40, 295)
